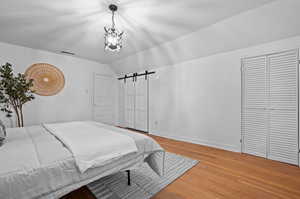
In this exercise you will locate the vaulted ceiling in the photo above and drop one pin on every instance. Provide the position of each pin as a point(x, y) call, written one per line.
point(272, 22)
point(77, 25)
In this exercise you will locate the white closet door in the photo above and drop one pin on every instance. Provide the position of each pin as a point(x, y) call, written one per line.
point(104, 98)
point(283, 106)
point(254, 113)
point(141, 104)
point(129, 103)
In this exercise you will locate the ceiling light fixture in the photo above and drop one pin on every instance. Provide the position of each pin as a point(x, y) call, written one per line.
point(113, 37)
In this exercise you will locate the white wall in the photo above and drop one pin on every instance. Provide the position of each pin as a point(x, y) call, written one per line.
point(74, 102)
point(196, 93)
point(200, 100)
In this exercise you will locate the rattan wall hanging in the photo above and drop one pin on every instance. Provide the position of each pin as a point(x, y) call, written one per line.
point(48, 79)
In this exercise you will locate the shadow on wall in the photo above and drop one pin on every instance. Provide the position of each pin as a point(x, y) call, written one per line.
point(168, 54)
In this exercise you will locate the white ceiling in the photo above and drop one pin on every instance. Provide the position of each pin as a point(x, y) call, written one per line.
point(274, 21)
point(77, 25)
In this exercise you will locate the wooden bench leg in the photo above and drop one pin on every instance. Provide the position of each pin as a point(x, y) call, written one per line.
point(128, 177)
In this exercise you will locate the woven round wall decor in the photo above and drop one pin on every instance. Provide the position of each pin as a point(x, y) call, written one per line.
point(48, 80)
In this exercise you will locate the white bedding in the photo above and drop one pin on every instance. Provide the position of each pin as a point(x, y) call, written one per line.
point(35, 164)
point(92, 145)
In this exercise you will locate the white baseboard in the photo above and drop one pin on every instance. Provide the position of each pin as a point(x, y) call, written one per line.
point(202, 142)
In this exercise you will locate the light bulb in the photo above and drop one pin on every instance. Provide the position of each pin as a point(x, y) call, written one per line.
point(112, 40)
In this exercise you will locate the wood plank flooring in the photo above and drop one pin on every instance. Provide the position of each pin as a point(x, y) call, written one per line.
point(224, 174)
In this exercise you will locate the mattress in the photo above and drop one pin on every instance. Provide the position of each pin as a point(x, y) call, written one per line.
point(35, 164)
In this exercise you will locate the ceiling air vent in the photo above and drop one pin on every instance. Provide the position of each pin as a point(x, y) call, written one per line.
point(67, 53)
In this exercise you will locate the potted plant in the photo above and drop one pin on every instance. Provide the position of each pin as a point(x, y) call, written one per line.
point(14, 92)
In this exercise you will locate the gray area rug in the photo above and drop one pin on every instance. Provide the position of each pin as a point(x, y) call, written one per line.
point(145, 183)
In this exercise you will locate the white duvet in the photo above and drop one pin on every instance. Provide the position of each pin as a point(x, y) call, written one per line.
point(36, 164)
point(92, 145)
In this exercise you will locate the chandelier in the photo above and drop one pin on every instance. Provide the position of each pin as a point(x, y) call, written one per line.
point(113, 37)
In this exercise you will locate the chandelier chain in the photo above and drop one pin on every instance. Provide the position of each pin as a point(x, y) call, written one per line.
point(113, 19)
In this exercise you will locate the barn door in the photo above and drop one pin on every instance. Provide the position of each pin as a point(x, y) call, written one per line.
point(130, 104)
point(121, 103)
point(141, 103)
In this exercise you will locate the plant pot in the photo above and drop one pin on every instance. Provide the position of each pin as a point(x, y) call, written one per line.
point(2, 133)
point(2, 139)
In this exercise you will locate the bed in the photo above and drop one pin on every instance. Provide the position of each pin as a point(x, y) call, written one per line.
point(37, 163)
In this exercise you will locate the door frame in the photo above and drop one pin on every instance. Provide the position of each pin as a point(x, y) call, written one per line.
point(95, 74)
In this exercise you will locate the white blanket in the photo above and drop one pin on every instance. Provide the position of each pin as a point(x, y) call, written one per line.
point(92, 145)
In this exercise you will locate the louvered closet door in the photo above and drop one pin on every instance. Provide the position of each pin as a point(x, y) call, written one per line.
point(141, 104)
point(129, 103)
point(283, 106)
point(254, 113)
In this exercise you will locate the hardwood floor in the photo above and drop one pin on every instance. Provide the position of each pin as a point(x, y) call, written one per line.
point(224, 174)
